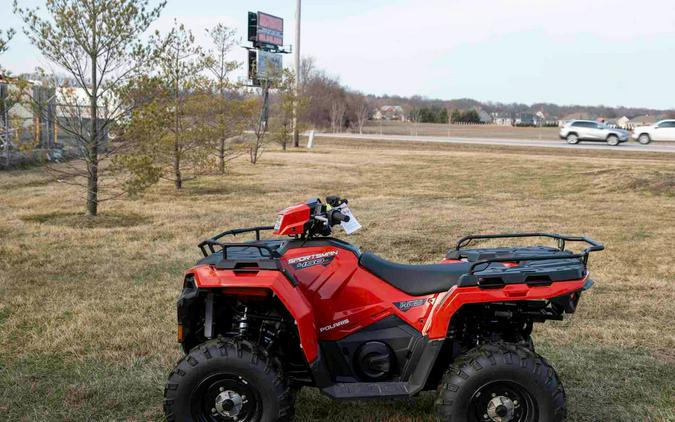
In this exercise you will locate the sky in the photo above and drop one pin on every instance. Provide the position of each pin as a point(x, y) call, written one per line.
point(600, 52)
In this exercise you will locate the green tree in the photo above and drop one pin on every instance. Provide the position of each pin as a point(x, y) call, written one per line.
point(98, 43)
point(5, 38)
point(471, 116)
point(181, 64)
point(282, 121)
point(229, 114)
point(141, 133)
point(443, 117)
point(455, 116)
point(170, 136)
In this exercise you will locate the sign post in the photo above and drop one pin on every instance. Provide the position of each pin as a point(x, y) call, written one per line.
point(265, 64)
point(296, 88)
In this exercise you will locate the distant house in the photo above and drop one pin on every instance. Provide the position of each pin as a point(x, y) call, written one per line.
point(389, 112)
point(484, 116)
point(623, 122)
point(526, 119)
point(644, 120)
point(502, 119)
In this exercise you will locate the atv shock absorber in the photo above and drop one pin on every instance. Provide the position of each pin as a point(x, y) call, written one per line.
point(243, 321)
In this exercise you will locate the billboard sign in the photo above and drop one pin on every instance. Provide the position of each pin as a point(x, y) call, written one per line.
point(269, 66)
point(264, 28)
point(264, 65)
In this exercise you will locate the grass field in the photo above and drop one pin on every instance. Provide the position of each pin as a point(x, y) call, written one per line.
point(87, 307)
point(462, 131)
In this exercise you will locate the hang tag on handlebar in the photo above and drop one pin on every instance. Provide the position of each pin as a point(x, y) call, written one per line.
point(352, 225)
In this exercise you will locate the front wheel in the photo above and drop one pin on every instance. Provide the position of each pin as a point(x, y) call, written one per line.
point(227, 380)
point(572, 139)
point(500, 382)
point(613, 140)
point(644, 139)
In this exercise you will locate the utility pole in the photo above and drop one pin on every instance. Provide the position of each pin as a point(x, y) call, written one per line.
point(296, 134)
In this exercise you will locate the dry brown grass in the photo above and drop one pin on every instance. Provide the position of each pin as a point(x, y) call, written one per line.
point(87, 307)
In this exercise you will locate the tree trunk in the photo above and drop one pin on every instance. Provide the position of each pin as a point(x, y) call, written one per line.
point(178, 178)
point(221, 156)
point(92, 159)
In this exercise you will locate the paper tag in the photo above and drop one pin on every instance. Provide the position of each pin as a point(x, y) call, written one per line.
point(352, 225)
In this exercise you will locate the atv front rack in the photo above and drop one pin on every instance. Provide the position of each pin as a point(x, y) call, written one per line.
point(560, 239)
point(214, 242)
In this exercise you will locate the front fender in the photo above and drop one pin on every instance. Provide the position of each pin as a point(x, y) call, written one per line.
point(207, 277)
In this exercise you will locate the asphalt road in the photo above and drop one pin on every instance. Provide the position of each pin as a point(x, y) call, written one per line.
point(660, 147)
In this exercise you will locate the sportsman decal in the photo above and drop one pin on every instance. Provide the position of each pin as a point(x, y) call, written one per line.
point(408, 304)
point(306, 261)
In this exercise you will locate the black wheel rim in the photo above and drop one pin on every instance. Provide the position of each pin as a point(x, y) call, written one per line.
point(503, 401)
point(245, 405)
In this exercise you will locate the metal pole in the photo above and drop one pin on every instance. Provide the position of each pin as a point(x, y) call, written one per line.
point(296, 134)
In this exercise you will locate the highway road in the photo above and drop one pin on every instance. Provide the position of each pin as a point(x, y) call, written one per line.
point(659, 147)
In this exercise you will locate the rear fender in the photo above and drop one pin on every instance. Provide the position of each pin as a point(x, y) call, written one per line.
point(207, 277)
point(437, 324)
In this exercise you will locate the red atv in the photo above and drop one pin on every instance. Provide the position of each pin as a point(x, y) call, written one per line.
point(262, 318)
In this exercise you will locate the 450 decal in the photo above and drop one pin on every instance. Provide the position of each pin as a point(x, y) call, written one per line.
point(306, 261)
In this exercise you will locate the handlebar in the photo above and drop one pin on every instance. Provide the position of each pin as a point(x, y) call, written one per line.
point(338, 217)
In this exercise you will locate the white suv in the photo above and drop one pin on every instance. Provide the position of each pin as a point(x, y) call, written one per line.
point(659, 131)
point(588, 130)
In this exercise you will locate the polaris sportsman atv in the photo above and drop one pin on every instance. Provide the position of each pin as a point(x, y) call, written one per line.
point(260, 319)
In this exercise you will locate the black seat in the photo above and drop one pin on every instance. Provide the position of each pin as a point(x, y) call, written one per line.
point(415, 280)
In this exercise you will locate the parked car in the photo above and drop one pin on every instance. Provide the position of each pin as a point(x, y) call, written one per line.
point(575, 131)
point(663, 130)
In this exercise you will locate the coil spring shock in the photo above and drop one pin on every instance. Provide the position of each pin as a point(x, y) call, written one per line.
point(243, 321)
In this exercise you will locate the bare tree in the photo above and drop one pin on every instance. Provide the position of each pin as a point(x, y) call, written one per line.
point(307, 69)
point(260, 126)
point(362, 109)
point(337, 114)
point(97, 42)
point(415, 117)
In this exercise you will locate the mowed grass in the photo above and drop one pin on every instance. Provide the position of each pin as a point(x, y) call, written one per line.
point(87, 307)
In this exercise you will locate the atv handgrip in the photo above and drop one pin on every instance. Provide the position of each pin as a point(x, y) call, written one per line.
point(338, 217)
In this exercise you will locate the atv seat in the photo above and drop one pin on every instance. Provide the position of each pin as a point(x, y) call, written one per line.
point(415, 280)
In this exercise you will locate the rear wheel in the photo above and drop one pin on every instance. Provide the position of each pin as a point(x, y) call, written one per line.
point(613, 140)
point(500, 382)
point(227, 380)
point(572, 138)
point(644, 139)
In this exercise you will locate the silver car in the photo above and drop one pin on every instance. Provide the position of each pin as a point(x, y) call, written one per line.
point(575, 131)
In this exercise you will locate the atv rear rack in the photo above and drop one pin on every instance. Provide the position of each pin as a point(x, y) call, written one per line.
point(560, 239)
point(214, 242)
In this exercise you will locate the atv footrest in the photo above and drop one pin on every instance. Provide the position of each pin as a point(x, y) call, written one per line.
point(361, 390)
